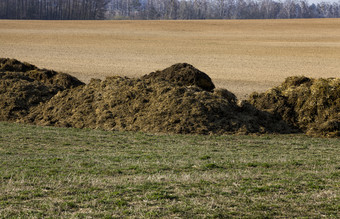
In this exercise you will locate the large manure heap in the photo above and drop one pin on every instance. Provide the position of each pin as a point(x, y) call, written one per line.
point(178, 99)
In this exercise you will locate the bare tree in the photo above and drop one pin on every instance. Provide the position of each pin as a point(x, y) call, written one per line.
point(165, 9)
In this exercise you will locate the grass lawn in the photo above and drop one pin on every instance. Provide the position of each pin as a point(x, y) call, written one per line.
point(65, 172)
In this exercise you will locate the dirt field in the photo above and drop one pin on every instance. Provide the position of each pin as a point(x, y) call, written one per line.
point(242, 56)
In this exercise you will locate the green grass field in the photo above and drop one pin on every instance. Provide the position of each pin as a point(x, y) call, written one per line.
point(59, 172)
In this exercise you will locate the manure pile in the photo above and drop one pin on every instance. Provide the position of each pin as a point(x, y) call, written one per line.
point(23, 86)
point(312, 105)
point(179, 99)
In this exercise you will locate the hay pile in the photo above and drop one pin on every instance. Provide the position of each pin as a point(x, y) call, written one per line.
point(179, 99)
point(312, 105)
point(23, 86)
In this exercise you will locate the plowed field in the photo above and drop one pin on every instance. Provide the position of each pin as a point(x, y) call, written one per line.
point(241, 56)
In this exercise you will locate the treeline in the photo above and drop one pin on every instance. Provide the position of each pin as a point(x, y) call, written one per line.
point(53, 9)
point(165, 9)
point(220, 9)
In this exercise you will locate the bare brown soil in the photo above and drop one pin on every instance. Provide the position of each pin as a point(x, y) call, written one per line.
point(240, 55)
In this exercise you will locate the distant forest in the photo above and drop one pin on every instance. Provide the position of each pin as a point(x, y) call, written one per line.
point(165, 9)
